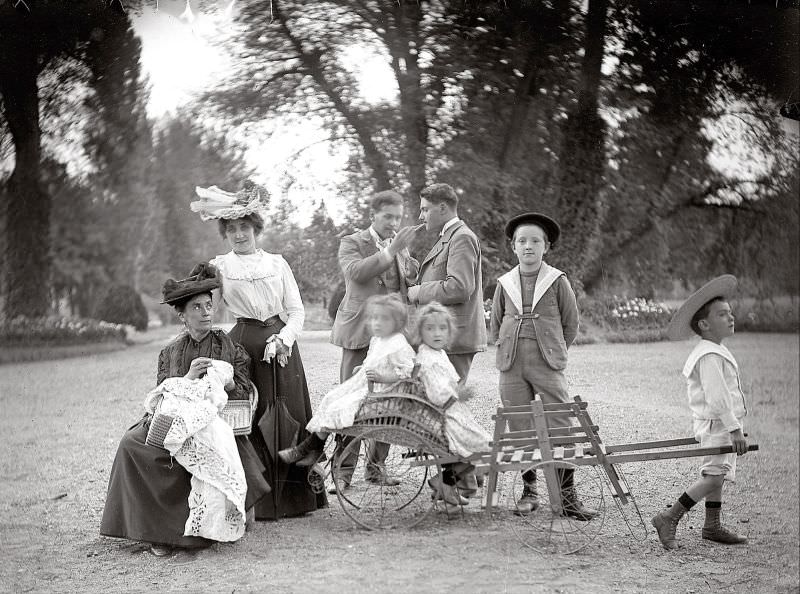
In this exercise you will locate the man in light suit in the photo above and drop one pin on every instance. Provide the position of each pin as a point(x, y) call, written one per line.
point(374, 261)
point(451, 274)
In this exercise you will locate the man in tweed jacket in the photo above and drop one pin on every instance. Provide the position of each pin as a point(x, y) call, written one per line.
point(451, 274)
point(374, 261)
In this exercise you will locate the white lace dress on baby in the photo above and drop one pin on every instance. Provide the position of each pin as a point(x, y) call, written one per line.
point(205, 446)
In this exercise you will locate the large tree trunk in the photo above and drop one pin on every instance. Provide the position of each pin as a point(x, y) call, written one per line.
point(28, 204)
point(543, 40)
point(583, 157)
point(522, 101)
point(404, 43)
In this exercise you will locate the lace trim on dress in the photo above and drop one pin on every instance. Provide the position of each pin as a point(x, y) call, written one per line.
point(216, 487)
point(247, 268)
point(205, 446)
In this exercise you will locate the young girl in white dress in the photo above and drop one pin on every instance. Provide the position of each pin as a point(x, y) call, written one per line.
point(435, 329)
point(390, 358)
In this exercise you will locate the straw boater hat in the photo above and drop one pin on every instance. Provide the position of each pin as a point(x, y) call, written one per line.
point(219, 204)
point(202, 279)
point(680, 325)
point(534, 218)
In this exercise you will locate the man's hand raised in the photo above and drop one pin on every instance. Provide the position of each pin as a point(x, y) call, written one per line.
point(403, 239)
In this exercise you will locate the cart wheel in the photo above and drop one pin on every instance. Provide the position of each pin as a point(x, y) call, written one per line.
point(548, 529)
point(631, 514)
point(373, 505)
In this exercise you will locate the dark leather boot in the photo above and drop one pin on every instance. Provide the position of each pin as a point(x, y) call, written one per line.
point(573, 507)
point(304, 453)
point(714, 530)
point(666, 523)
point(529, 502)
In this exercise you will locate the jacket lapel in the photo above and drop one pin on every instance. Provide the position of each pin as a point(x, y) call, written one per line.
point(368, 246)
point(435, 250)
point(443, 241)
point(510, 282)
point(547, 276)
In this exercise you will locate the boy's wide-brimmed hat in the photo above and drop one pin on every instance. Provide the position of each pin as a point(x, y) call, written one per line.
point(550, 227)
point(215, 203)
point(679, 327)
point(203, 278)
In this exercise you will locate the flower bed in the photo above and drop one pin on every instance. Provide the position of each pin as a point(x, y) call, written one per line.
point(621, 319)
point(58, 331)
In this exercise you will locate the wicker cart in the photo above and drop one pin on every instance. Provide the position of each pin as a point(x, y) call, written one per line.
point(414, 428)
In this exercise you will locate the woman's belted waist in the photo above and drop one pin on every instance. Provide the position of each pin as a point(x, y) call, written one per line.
point(271, 321)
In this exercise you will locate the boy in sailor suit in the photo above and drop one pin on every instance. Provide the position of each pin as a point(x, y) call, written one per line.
point(535, 319)
point(718, 407)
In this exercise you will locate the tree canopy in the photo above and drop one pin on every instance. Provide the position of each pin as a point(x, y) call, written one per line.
point(650, 130)
point(605, 114)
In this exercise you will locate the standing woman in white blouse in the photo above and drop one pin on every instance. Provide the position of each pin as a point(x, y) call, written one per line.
point(260, 289)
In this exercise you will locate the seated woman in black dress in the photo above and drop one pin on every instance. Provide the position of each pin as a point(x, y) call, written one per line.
point(148, 490)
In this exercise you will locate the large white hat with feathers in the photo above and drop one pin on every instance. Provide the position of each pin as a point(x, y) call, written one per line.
point(215, 203)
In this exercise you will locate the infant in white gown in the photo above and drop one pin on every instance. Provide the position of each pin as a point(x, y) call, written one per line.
point(205, 446)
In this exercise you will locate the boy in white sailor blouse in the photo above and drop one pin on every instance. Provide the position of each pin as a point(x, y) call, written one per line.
point(718, 407)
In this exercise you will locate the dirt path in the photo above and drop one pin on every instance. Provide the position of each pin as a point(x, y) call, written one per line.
point(62, 421)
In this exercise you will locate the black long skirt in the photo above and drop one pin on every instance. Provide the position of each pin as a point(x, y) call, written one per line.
point(148, 491)
point(148, 494)
point(291, 492)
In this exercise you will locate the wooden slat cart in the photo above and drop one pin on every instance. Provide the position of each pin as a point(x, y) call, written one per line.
point(405, 419)
point(579, 448)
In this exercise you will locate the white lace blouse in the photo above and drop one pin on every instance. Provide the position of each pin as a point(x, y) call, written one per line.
point(259, 286)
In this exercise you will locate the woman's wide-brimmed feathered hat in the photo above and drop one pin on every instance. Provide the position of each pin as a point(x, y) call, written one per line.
point(203, 278)
point(679, 327)
point(219, 204)
point(550, 227)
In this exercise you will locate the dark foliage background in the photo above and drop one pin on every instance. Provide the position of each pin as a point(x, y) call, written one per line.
point(607, 115)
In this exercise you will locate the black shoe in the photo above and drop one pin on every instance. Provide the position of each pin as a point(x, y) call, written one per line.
point(309, 459)
point(529, 502)
point(299, 455)
point(574, 508)
point(304, 453)
point(571, 505)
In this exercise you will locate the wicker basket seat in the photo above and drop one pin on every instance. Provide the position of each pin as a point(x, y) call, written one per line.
point(237, 413)
point(400, 413)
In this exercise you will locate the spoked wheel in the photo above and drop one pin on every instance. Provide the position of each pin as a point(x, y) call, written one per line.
point(556, 527)
point(372, 503)
point(630, 512)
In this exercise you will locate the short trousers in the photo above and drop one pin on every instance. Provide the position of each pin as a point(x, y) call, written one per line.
point(712, 433)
